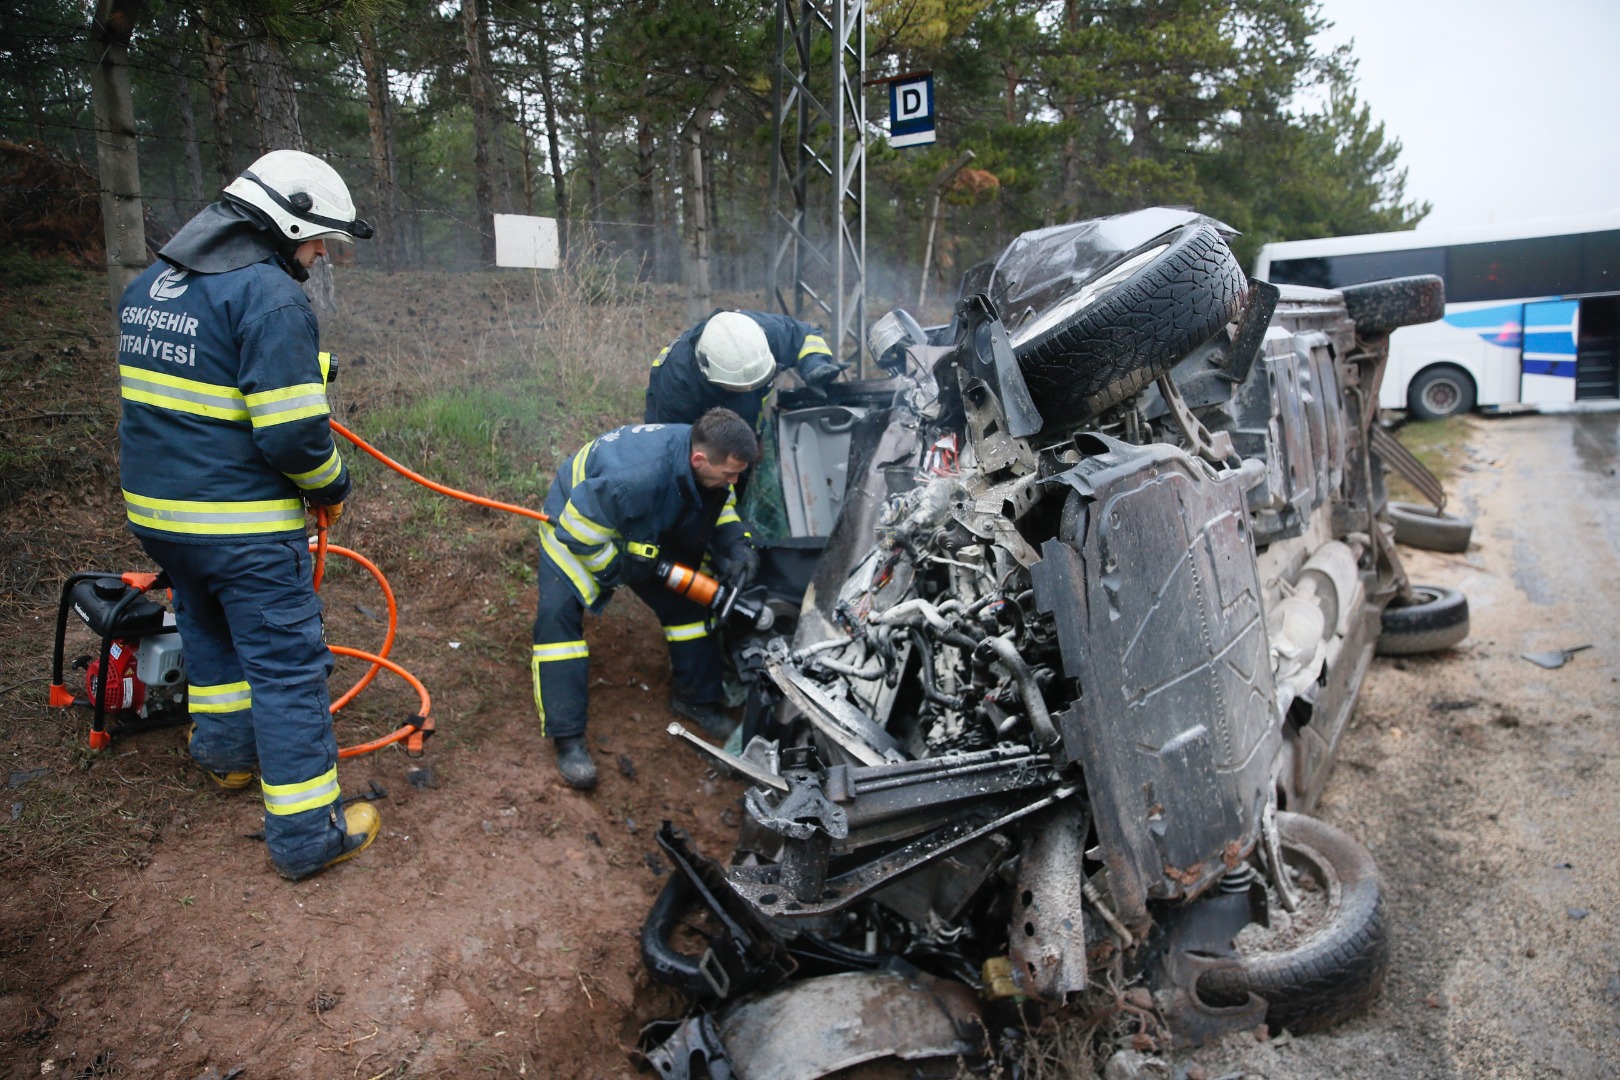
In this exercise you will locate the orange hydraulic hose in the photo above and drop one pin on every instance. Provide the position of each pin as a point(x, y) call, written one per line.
point(320, 546)
point(412, 731)
point(393, 621)
point(479, 500)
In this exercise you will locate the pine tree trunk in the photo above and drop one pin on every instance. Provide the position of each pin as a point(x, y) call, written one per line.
point(699, 293)
point(646, 204)
point(528, 155)
point(280, 129)
point(1069, 200)
point(478, 97)
point(196, 188)
point(219, 98)
point(559, 181)
point(382, 155)
point(116, 159)
point(279, 125)
point(593, 130)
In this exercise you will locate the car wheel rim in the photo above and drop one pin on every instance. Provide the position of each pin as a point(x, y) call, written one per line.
point(1321, 895)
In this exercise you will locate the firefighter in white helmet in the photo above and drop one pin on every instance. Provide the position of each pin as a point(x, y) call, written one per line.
point(225, 440)
point(730, 360)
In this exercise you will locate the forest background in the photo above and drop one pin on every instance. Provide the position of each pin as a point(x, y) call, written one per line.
point(440, 115)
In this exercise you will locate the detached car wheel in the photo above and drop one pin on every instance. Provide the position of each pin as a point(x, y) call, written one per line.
point(1436, 620)
point(1118, 332)
point(1439, 392)
point(1382, 306)
point(1325, 962)
point(1430, 529)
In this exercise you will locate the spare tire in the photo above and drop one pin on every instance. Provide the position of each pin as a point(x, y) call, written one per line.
point(1436, 620)
point(1326, 962)
point(1110, 337)
point(1430, 529)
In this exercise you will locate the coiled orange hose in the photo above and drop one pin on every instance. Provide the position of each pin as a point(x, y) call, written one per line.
point(415, 732)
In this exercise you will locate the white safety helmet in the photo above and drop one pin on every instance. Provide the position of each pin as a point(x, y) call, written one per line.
point(302, 195)
point(733, 354)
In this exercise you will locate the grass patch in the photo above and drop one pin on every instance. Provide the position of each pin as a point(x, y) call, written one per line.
point(482, 437)
point(1438, 444)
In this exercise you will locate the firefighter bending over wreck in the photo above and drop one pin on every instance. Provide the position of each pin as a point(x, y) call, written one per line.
point(730, 360)
point(625, 500)
point(225, 438)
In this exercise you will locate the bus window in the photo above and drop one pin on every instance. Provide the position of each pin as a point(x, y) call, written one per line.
point(1337, 271)
point(1513, 269)
point(1600, 262)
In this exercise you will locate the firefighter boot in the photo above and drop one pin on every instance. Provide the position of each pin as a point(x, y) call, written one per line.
point(362, 823)
point(574, 762)
point(228, 781)
point(708, 716)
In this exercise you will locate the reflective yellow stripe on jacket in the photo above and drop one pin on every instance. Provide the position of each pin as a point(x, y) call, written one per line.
point(814, 345)
point(582, 579)
point(215, 518)
point(264, 409)
point(281, 406)
point(167, 391)
point(321, 475)
point(296, 798)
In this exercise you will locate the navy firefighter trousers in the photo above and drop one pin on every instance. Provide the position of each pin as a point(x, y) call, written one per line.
point(257, 662)
point(561, 661)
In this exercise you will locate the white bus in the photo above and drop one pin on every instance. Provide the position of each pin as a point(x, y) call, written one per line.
point(1532, 310)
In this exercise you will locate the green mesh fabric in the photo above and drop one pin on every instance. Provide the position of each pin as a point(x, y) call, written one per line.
point(763, 506)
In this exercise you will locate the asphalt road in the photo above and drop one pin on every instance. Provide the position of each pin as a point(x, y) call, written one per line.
point(1488, 790)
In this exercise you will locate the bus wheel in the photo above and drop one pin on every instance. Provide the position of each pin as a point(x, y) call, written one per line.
point(1115, 334)
point(1440, 391)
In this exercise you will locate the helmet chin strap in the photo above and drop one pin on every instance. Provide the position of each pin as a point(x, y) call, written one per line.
point(299, 272)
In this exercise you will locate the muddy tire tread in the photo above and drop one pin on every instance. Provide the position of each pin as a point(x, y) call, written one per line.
point(1435, 624)
point(1381, 306)
point(1332, 976)
point(1137, 331)
point(1429, 529)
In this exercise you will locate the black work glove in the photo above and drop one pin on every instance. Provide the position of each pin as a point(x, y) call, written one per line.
point(821, 376)
point(739, 565)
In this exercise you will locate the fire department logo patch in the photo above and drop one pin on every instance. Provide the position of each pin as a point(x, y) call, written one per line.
point(169, 285)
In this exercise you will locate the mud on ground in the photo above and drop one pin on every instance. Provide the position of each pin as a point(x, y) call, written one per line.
point(491, 929)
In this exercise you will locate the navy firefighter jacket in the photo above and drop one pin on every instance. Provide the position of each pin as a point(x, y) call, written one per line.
point(225, 432)
point(620, 497)
point(677, 392)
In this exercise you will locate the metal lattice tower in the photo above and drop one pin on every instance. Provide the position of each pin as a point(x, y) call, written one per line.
point(818, 169)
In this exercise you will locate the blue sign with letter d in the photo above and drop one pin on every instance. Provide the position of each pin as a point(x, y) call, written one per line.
point(911, 111)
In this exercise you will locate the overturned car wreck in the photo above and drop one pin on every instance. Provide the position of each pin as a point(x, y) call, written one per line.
point(1110, 561)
